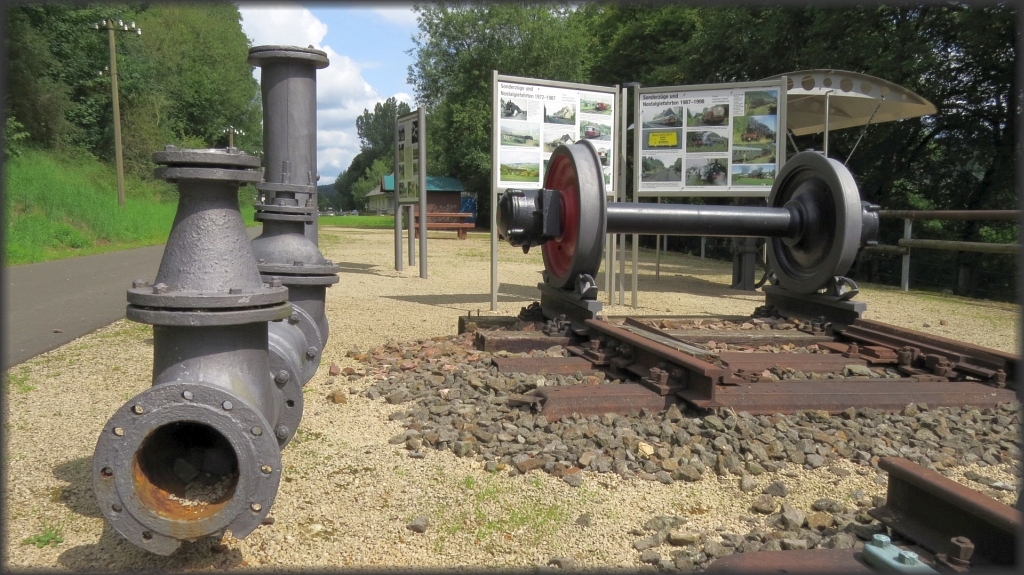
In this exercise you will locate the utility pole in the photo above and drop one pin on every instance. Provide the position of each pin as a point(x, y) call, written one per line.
point(231, 131)
point(110, 26)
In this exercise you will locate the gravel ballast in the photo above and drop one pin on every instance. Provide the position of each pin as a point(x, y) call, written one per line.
point(423, 467)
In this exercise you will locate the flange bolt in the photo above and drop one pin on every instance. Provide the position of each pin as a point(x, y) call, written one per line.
point(160, 288)
point(311, 352)
point(136, 284)
point(907, 558)
point(281, 431)
point(281, 377)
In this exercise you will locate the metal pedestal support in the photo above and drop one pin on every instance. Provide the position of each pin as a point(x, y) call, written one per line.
point(577, 310)
point(809, 307)
point(744, 263)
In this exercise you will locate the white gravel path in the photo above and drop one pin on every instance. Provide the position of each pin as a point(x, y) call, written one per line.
point(347, 494)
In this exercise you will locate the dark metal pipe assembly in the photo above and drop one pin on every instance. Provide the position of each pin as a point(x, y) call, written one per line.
point(195, 454)
point(287, 249)
point(200, 451)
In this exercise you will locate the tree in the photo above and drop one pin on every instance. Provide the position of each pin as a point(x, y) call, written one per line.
point(371, 179)
point(457, 48)
point(376, 131)
point(171, 91)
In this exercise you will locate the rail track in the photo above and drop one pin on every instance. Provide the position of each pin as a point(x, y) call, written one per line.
point(762, 364)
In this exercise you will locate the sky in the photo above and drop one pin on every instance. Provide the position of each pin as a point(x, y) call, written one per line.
point(366, 45)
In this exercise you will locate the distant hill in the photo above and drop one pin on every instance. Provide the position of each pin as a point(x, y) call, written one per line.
point(327, 196)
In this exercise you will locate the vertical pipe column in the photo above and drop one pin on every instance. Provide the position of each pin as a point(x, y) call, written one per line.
point(287, 249)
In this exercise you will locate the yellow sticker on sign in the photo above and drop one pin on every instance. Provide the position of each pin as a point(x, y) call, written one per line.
point(663, 139)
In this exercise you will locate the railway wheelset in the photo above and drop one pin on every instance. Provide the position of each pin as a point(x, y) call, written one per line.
point(815, 222)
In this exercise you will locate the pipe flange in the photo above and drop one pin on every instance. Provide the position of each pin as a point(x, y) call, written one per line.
point(217, 157)
point(293, 188)
point(305, 269)
point(291, 411)
point(176, 173)
point(310, 280)
point(312, 340)
point(199, 318)
point(237, 298)
point(263, 55)
point(276, 209)
point(278, 217)
point(146, 467)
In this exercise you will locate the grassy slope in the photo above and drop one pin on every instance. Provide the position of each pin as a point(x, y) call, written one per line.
point(57, 206)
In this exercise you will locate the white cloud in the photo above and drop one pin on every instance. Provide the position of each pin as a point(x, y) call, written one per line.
point(401, 14)
point(285, 24)
point(341, 95)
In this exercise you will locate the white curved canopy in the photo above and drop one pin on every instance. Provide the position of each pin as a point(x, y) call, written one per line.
point(854, 97)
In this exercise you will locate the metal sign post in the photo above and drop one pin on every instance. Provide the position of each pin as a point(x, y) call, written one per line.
point(411, 184)
point(398, 210)
point(531, 118)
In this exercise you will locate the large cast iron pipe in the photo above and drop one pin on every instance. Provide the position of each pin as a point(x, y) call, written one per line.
point(287, 249)
point(195, 454)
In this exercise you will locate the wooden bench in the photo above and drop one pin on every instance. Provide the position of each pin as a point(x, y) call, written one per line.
point(460, 227)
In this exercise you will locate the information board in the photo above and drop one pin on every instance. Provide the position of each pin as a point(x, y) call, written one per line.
point(408, 142)
point(710, 140)
point(535, 118)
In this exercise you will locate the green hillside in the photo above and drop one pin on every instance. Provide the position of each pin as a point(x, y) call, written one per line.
point(58, 206)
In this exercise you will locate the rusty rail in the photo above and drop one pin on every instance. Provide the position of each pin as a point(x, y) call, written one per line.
point(997, 366)
point(932, 510)
point(690, 377)
point(833, 396)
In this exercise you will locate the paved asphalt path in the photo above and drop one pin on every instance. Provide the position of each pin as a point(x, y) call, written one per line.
point(51, 303)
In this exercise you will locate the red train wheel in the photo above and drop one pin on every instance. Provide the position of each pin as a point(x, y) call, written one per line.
point(575, 171)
